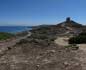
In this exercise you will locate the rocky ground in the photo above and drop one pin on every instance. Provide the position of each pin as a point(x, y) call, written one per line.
point(80, 53)
point(28, 57)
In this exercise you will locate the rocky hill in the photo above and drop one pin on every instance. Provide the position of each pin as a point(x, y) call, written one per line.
point(69, 26)
point(40, 52)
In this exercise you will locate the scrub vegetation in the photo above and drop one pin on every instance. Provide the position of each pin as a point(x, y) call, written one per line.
point(4, 36)
point(80, 39)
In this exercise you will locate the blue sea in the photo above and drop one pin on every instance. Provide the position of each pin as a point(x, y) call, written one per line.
point(14, 29)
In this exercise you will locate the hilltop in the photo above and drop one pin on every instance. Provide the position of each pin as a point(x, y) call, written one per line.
point(70, 23)
point(66, 27)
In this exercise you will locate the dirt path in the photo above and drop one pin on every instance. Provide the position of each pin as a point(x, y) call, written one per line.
point(62, 41)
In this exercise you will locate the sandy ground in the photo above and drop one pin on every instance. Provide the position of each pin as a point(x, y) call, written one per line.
point(63, 41)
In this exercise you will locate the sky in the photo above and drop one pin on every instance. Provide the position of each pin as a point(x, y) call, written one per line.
point(37, 12)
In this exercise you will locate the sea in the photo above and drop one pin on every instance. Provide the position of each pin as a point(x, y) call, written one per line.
point(14, 29)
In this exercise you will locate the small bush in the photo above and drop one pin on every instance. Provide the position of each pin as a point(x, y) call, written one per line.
point(82, 34)
point(72, 46)
point(68, 46)
point(80, 39)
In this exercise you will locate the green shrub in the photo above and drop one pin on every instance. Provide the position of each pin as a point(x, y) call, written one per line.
point(72, 46)
point(4, 36)
point(82, 34)
point(80, 39)
point(68, 46)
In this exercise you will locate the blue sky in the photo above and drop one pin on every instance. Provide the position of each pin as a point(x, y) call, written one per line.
point(35, 12)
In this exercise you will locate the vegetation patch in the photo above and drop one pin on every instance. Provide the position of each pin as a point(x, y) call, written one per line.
point(80, 39)
point(68, 46)
point(72, 46)
point(4, 36)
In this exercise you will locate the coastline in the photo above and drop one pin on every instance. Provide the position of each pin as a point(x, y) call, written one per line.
point(14, 29)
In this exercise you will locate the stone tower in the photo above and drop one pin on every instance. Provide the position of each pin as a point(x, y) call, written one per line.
point(70, 23)
point(68, 19)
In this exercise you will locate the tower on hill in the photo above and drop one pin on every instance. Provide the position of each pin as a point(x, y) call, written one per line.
point(70, 23)
point(68, 19)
